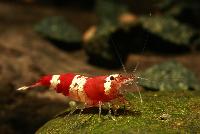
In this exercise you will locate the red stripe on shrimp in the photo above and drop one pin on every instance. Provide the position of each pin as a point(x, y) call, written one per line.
point(65, 82)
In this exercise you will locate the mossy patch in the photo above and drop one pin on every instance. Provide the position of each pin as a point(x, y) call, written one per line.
point(160, 112)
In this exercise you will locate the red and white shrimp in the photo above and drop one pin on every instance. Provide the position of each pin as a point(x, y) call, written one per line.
point(91, 91)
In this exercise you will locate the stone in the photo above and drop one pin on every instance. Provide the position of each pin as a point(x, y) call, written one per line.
point(169, 76)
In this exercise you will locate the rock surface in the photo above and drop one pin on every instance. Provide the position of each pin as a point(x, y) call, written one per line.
point(184, 11)
point(60, 31)
point(168, 76)
point(169, 29)
point(159, 112)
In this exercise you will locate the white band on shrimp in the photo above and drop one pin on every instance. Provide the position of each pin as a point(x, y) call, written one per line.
point(108, 83)
point(77, 88)
point(54, 81)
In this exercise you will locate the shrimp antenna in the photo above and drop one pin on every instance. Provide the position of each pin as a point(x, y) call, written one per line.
point(145, 43)
point(118, 54)
point(138, 63)
point(124, 68)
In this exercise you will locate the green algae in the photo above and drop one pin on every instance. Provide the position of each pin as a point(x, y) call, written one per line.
point(180, 109)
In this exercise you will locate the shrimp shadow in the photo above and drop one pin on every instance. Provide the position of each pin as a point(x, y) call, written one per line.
point(104, 112)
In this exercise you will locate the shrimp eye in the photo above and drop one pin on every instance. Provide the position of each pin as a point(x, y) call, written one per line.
point(112, 78)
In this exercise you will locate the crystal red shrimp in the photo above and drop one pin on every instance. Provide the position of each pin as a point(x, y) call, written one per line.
point(89, 90)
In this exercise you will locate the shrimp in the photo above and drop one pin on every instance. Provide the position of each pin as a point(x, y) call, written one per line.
point(92, 91)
